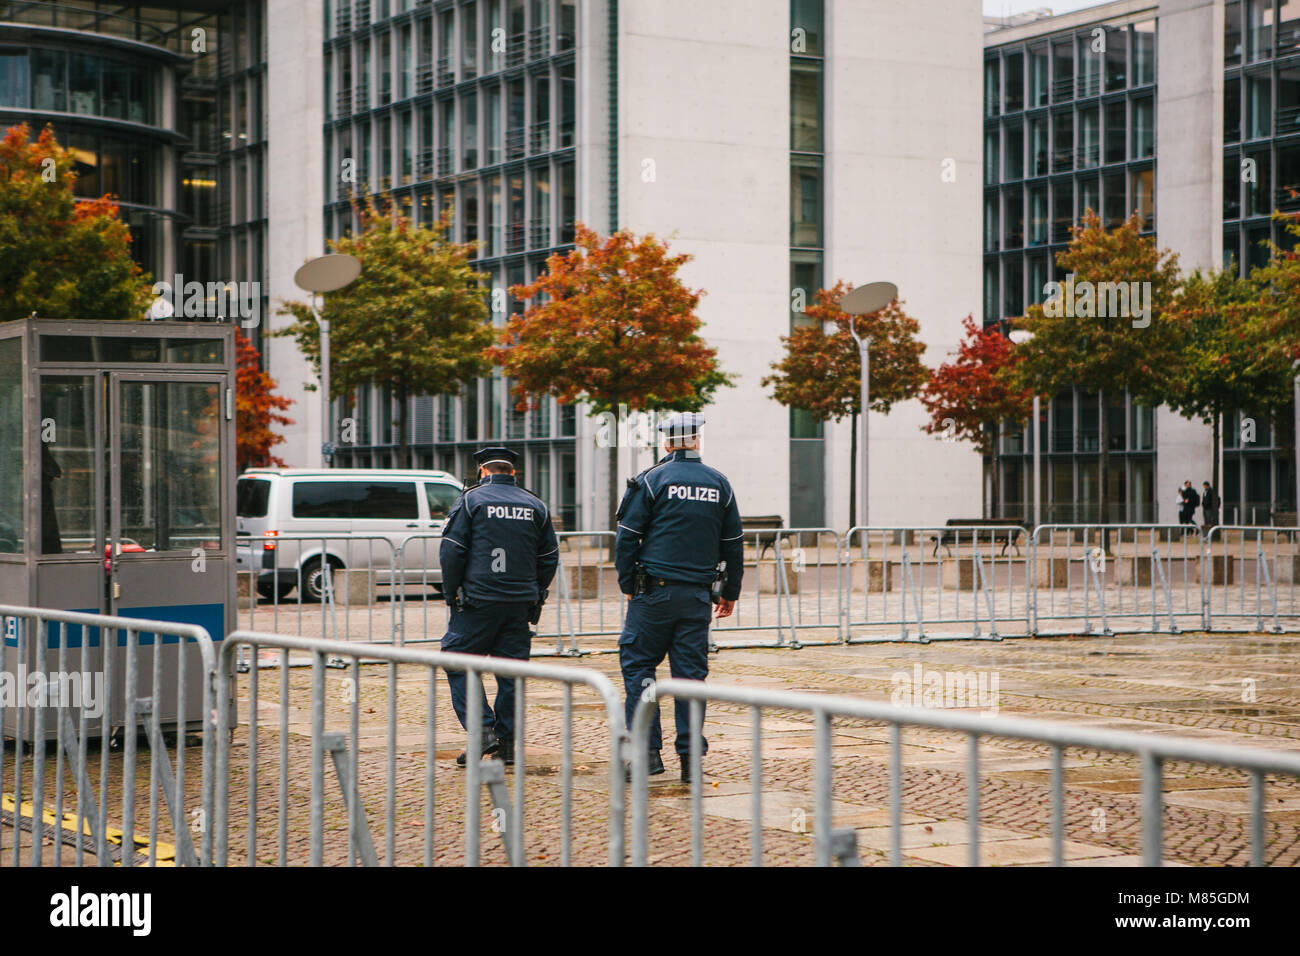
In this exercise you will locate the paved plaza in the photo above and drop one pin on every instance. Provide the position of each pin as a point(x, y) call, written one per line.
point(1238, 689)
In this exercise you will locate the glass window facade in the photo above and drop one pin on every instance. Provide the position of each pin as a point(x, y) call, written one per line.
point(479, 131)
point(807, 453)
point(1069, 126)
point(1261, 175)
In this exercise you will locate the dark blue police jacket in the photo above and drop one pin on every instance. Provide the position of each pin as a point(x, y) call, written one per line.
point(679, 519)
point(498, 544)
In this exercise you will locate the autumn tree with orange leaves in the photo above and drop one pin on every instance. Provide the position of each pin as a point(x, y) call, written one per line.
point(257, 409)
point(965, 397)
point(60, 257)
point(617, 330)
point(822, 372)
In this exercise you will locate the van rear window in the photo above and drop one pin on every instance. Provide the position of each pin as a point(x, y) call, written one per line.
point(251, 497)
point(355, 499)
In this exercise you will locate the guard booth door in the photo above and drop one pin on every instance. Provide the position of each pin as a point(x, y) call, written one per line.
point(171, 553)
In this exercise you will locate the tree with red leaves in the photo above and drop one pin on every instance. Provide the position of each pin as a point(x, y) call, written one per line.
point(965, 397)
point(60, 257)
point(257, 409)
point(617, 330)
point(822, 372)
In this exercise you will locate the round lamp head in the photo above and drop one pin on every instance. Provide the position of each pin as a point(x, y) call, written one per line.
point(1020, 336)
point(327, 273)
point(868, 298)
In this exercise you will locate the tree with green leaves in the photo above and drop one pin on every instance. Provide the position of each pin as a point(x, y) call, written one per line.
point(822, 372)
point(415, 320)
point(617, 331)
point(1105, 328)
point(59, 257)
point(1227, 325)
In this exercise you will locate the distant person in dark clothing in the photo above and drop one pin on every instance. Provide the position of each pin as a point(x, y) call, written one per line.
point(1189, 500)
point(50, 470)
point(1209, 504)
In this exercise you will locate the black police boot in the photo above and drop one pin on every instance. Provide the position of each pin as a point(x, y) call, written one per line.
point(489, 748)
point(506, 751)
point(686, 768)
point(655, 765)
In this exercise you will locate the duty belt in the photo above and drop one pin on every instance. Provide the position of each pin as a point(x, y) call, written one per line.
point(649, 581)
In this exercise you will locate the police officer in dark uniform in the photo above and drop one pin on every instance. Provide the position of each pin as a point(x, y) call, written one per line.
point(498, 554)
point(678, 522)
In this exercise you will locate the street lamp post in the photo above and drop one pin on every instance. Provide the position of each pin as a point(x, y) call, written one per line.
point(1020, 337)
point(1295, 394)
point(864, 300)
point(326, 274)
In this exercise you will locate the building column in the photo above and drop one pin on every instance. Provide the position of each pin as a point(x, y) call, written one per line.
point(1189, 200)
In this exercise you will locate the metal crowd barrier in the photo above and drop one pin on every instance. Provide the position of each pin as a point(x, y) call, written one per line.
point(1151, 751)
point(354, 572)
point(341, 808)
point(423, 610)
point(1250, 574)
point(789, 573)
point(914, 578)
point(1146, 574)
point(813, 586)
point(144, 685)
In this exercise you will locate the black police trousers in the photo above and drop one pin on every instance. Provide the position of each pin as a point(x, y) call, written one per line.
point(672, 620)
point(497, 630)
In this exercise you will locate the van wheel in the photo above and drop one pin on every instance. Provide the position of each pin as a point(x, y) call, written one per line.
point(274, 592)
point(313, 578)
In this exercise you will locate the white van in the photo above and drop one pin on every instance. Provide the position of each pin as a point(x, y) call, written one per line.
point(363, 514)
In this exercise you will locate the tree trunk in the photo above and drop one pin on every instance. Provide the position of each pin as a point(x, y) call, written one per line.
point(853, 472)
point(1214, 467)
point(613, 482)
point(994, 505)
point(1103, 468)
point(403, 441)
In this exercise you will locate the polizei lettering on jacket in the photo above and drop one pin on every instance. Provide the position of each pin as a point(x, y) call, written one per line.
point(694, 493)
point(516, 512)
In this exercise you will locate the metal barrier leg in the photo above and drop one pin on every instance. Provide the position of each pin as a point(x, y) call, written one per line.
point(566, 606)
point(783, 598)
point(1152, 807)
point(184, 846)
point(988, 599)
point(1169, 594)
point(493, 773)
point(909, 587)
point(1261, 569)
point(362, 845)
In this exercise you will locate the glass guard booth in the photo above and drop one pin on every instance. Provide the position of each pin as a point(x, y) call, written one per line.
point(117, 478)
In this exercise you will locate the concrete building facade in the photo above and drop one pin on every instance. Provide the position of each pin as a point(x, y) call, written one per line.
point(779, 144)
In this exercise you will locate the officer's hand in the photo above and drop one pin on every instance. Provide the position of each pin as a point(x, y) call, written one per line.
point(725, 607)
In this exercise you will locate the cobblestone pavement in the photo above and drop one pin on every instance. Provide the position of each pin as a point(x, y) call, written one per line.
point(1241, 689)
point(1187, 684)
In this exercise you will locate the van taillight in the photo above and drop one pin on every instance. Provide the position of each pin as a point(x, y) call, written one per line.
point(269, 545)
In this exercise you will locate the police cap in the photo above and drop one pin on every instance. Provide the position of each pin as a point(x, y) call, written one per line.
point(681, 425)
point(488, 456)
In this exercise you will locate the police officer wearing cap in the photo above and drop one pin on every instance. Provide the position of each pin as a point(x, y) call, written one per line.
point(498, 554)
point(678, 523)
